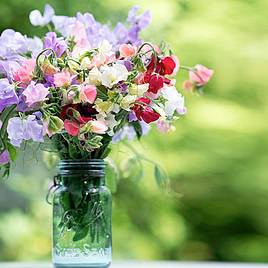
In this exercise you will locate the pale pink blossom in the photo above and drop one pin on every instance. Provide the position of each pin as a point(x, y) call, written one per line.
point(127, 50)
point(80, 35)
point(88, 93)
point(163, 126)
point(99, 127)
point(25, 73)
point(200, 75)
point(35, 93)
point(63, 79)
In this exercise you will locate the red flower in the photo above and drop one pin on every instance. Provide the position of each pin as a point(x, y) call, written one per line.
point(144, 112)
point(156, 82)
point(169, 65)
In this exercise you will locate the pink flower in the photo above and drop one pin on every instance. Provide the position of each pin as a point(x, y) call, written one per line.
point(127, 50)
point(71, 127)
point(88, 93)
point(163, 126)
point(25, 73)
point(62, 79)
point(200, 75)
point(80, 35)
point(35, 93)
point(99, 127)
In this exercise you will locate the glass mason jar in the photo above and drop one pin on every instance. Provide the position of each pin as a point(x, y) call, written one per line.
point(81, 216)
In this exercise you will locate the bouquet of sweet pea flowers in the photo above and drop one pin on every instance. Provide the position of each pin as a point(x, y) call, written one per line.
point(84, 85)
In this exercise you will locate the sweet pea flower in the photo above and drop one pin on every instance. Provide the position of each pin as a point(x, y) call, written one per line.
point(25, 73)
point(35, 93)
point(94, 76)
point(8, 95)
point(200, 75)
point(98, 127)
point(174, 101)
point(4, 158)
point(111, 75)
point(63, 79)
point(57, 44)
point(80, 35)
point(127, 50)
point(24, 129)
point(37, 19)
point(72, 128)
point(164, 126)
point(88, 93)
point(144, 112)
point(169, 65)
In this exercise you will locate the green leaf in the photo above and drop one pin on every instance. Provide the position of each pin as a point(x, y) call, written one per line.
point(12, 151)
point(77, 198)
point(65, 201)
point(160, 177)
point(81, 233)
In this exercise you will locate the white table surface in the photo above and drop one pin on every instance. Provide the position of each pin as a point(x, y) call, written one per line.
point(138, 264)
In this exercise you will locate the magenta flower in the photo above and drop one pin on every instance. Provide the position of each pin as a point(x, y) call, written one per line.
point(35, 93)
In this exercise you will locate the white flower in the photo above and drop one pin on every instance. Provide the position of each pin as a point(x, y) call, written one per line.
point(37, 19)
point(94, 77)
point(138, 90)
point(127, 101)
point(111, 75)
point(175, 101)
point(105, 47)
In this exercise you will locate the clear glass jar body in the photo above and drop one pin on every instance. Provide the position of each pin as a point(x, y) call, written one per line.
point(82, 216)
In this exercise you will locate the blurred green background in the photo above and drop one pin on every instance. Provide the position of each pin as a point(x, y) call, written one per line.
point(217, 159)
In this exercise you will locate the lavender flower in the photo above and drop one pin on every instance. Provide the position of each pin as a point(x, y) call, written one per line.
point(4, 157)
point(8, 95)
point(8, 68)
point(12, 45)
point(57, 44)
point(37, 19)
point(24, 129)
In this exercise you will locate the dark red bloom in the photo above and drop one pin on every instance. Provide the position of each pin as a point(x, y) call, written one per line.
point(166, 66)
point(156, 82)
point(144, 112)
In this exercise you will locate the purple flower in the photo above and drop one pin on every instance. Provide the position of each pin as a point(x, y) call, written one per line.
point(8, 95)
point(132, 117)
point(24, 129)
point(8, 68)
point(35, 93)
point(125, 132)
point(12, 44)
point(63, 24)
point(121, 33)
point(57, 44)
point(37, 19)
point(138, 23)
point(142, 20)
point(4, 157)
